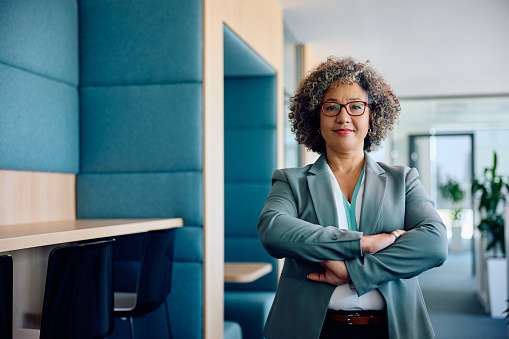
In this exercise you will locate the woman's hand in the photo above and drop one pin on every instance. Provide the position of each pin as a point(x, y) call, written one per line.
point(373, 243)
point(336, 273)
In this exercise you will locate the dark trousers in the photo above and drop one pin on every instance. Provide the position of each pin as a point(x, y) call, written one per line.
point(341, 330)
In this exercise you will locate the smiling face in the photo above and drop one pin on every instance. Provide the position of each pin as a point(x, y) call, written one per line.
point(344, 133)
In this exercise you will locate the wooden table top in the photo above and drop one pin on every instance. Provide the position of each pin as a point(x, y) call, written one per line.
point(21, 236)
point(244, 272)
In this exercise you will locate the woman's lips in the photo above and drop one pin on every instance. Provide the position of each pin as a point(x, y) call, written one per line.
point(343, 131)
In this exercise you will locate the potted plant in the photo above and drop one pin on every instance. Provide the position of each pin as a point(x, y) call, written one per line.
point(491, 207)
point(452, 191)
point(490, 189)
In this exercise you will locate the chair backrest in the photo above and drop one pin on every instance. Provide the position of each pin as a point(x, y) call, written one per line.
point(78, 298)
point(5, 296)
point(154, 282)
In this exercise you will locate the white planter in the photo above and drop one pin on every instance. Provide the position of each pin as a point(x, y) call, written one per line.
point(456, 244)
point(497, 286)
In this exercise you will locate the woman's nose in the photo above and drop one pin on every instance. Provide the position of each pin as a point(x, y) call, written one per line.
point(343, 115)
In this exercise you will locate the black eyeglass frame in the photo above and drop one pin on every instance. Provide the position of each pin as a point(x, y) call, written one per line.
point(345, 106)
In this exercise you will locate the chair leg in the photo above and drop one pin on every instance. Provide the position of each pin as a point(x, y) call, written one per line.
point(168, 318)
point(131, 326)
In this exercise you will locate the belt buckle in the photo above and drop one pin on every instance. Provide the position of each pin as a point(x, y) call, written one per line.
point(351, 315)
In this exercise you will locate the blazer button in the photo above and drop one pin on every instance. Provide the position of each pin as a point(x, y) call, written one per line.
point(334, 237)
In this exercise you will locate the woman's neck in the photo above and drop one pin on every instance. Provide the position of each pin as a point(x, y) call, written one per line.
point(345, 162)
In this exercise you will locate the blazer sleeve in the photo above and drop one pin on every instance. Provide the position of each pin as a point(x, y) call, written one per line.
point(284, 234)
point(422, 247)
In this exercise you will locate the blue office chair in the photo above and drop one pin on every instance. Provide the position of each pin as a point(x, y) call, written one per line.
point(78, 297)
point(5, 296)
point(154, 284)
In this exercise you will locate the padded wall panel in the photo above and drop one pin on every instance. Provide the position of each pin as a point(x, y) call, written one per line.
point(250, 249)
point(189, 244)
point(141, 195)
point(250, 155)
point(185, 300)
point(39, 124)
point(250, 102)
point(141, 128)
point(140, 41)
point(240, 59)
point(41, 36)
point(244, 203)
point(250, 309)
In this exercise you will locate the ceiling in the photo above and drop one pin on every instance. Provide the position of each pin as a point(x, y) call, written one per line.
point(431, 48)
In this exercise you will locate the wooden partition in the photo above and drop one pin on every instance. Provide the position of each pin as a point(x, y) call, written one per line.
point(29, 198)
point(259, 23)
point(35, 197)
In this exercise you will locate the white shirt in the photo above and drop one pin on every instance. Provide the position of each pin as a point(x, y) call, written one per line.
point(345, 296)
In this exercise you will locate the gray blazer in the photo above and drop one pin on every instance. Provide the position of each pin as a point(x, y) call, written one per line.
point(299, 223)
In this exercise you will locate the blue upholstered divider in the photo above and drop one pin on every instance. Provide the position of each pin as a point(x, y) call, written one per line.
point(39, 111)
point(141, 128)
point(146, 42)
point(250, 159)
point(240, 60)
point(141, 136)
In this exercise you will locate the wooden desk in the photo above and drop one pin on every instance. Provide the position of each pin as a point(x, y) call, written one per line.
point(245, 272)
point(23, 236)
point(30, 245)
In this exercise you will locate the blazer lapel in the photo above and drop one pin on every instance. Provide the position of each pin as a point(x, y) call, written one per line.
point(321, 193)
point(375, 183)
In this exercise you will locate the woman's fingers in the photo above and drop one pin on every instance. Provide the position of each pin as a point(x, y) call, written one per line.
point(316, 277)
point(373, 243)
point(327, 277)
point(336, 273)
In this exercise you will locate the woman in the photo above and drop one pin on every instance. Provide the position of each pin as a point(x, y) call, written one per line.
point(354, 233)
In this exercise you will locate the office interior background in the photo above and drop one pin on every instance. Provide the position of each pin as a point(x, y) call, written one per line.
point(129, 109)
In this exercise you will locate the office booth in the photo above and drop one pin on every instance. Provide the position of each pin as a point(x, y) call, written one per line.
point(108, 110)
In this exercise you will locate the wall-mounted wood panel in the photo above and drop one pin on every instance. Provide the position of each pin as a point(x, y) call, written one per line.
point(33, 197)
point(259, 23)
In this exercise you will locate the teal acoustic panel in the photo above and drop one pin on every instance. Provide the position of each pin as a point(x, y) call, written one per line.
point(244, 202)
point(39, 123)
point(186, 300)
point(141, 128)
point(140, 42)
point(250, 155)
point(250, 102)
point(240, 60)
point(41, 36)
point(141, 195)
point(250, 309)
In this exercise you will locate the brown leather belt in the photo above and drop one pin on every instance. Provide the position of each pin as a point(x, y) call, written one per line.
point(355, 318)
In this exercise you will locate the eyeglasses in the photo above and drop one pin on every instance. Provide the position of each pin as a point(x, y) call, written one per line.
point(353, 108)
